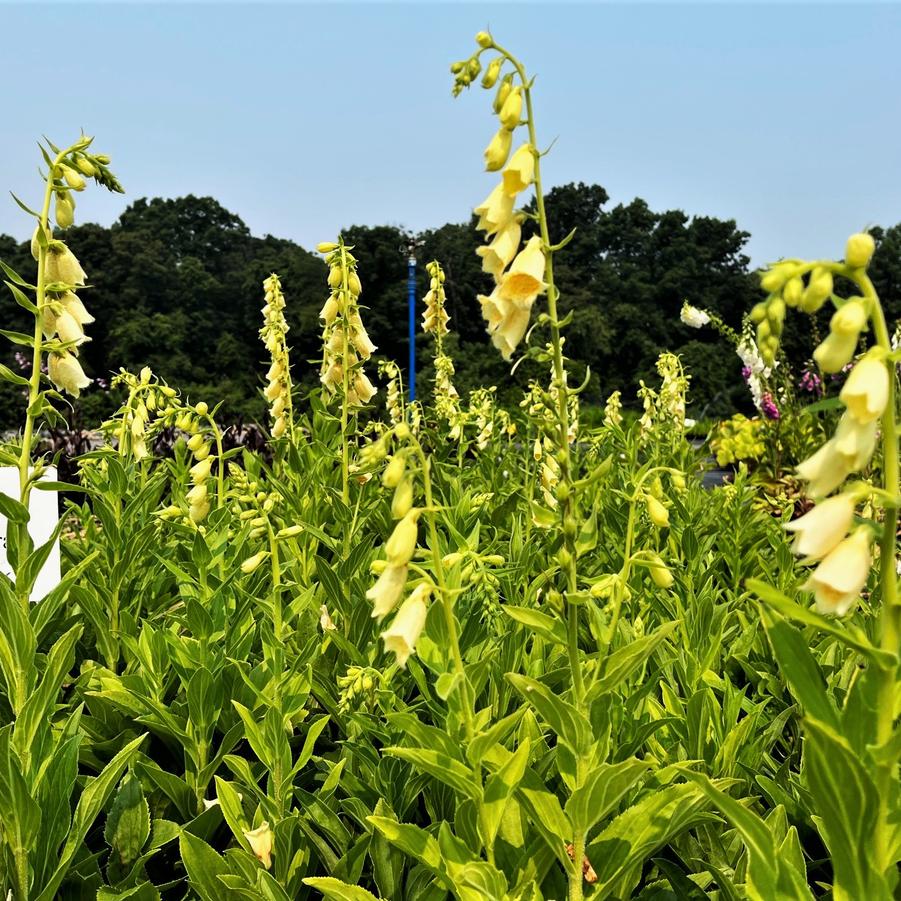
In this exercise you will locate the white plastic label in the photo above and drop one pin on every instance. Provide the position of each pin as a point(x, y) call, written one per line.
point(44, 509)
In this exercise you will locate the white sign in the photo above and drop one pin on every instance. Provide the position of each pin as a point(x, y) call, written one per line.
point(44, 509)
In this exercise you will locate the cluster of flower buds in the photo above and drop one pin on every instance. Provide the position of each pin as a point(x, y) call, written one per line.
point(613, 410)
point(278, 378)
point(191, 422)
point(407, 625)
point(356, 687)
point(394, 394)
point(664, 410)
point(346, 345)
point(150, 405)
point(508, 308)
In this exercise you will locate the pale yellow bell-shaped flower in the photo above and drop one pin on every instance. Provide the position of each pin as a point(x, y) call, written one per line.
point(511, 110)
point(495, 211)
point(330, 310)
point(498, 255)
point(364, 388)
point(200, 471)
point(260, 841)
point(401, 543)
point(498, 149)
point(820, 530)
point(66, 373)
point(63, 266)
point(273, 390)
point(199, 511)
point(824, 470)
point(865, 392)
point(402, 635)
point(839, 579)
point(279, 427)
point(835, 352)
point(387, 591)
point(512, 329)
point(519, 173)
point(524, 280)
point(74, 307)
point(69, 330)
point(856, 441)
point(493, 308)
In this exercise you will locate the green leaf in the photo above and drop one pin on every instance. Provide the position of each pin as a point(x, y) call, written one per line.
point(848, 635)
point(623, 662)
point(14, 276)
point(800, 669)
point(22, 299)
point(337, 890)
point(447, 770)
point(562, 717)
point(91, 802)
point(411, 840)
point(13, 510)
point(204, 867)
point(549, 628)
point(768, 875)
point(603, 789)
point(7, 374)
point(499, 787)
point(128, 824)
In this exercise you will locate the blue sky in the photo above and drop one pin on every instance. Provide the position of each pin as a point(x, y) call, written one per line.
point(306, 118)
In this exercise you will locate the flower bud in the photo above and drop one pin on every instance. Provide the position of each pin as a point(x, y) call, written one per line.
point(260, 841)
point(498, 150)
point(85, 166)
point(403, 499)
point(251, 563)
point(818, 290)
point(660, 574)
point(503, 92)
point(202, 408)
point(658, 514)
point(335, 277)
point(859, 250)
point(73, 179)
point(489, 79)
point(402, 542)
point(65, 211)
point(394, 471)
point(483, 39)
point(511, 111)
point(850, 320)
point(289, 532)
point(353, 284)
point(326, 246)
point(773, 279)
point(793, 290)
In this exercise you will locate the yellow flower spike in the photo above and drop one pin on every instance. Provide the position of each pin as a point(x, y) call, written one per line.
point(525, 279)
point(252, 563)
point(66, 373)
point(406, 627)
point(495, 211)
point(838, 581)
point(865, 392)
point(511, 111)
point(387, 590)
point(497, 255)
point(498, 149)
point(859, 250)
point(519, 173)
point(818, 532)
point(260, 841)
point(401, 543)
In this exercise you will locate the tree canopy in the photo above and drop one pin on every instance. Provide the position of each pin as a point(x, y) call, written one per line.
point(177, 286)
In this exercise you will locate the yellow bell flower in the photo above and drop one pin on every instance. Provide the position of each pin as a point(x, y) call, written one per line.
point(330, 310)
point(279, 427)
point(363, 388)
point(511, 111)
point(856, 441)
point(835, 352)
point(69, 330)
point(405, 629)
point(498, 149)
point(497, 255)
point(63, 266)
point(75, 308)
point(495, 211)
point(402, 542)
point(839, 579)
point(519, 173)
point(66, 373)
point(200, 472)
point(507, 321)
point(825, 470)
point(387, 591)
point(525, 279)
point(260, 841)
point(820, 531)
point(865, 393)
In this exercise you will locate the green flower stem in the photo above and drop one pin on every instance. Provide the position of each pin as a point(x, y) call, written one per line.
point(564, 458)
point(447, 604)
point(345, 383)
point(890, 616)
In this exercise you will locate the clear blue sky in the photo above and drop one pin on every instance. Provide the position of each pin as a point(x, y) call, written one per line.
point(305, 118)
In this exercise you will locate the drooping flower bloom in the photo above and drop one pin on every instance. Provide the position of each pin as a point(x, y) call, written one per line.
point(260, 841)
point(66, 373)
point(839, 579)
point(402, 542)
point(497, 255)
point(694, 317)
point(525, 279)
point(498, 149)
point(519, 173)
point(820, 531)
point(865, 393)
point(387, 590)
point(406, 627)
point(495, 211)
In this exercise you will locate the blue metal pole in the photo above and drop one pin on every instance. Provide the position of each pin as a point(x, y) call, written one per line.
point(411, 298)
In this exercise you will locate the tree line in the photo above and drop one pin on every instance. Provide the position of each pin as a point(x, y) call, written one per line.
point(177, 286)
